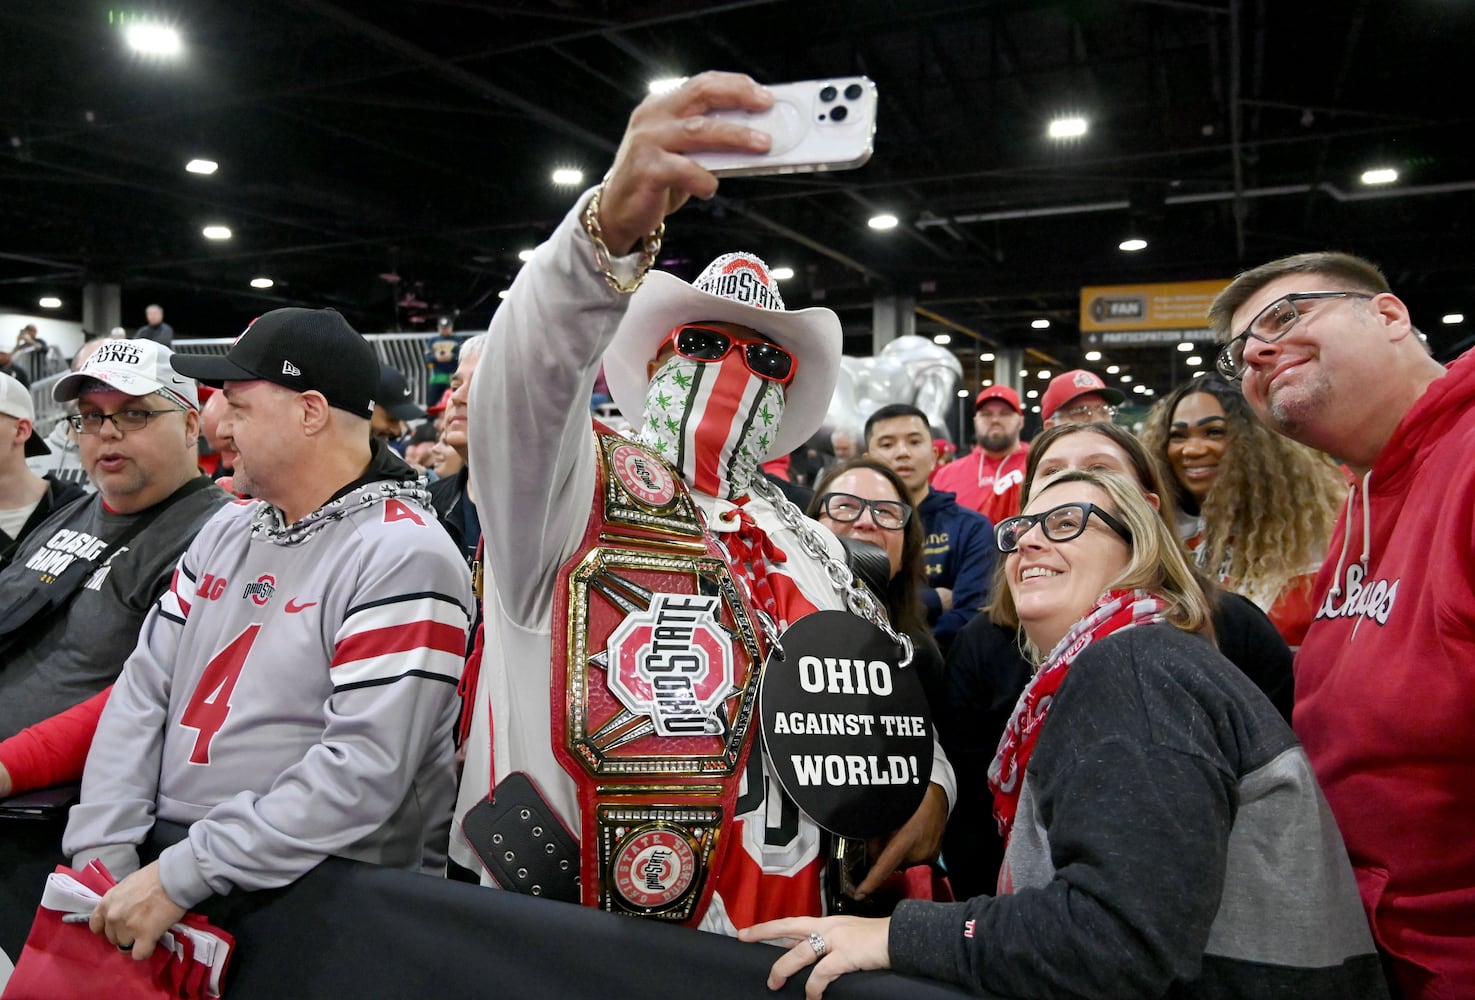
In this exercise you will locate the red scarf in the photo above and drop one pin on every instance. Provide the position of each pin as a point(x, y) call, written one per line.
point(1114, 611)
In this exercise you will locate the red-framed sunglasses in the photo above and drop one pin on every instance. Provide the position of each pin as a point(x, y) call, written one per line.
point(696, 342)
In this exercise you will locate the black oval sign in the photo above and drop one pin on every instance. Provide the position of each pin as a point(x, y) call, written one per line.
point(846, 730)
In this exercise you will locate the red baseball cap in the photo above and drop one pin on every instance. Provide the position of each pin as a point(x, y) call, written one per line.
point(1072, 384)
point(440, 405)
point(1004, 392)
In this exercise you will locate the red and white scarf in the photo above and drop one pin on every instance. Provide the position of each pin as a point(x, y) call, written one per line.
point(1115, 611)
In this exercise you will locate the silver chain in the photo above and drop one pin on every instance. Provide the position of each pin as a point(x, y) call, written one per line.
point(858, 598)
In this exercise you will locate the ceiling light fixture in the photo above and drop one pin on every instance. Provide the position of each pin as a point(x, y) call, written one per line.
point(262, 282)
point(1093, 355)
point(1040, 324)
point(1072, 127)
point(1126, 378)
point(1032, 394)
point(525, 255)
point(1043, 373)
point(202, 166)
point(986, 356)
point(1113, 369)
point(1379, 175)
point(882, 221)
point(1452, 319)
point(504, 293)
point(1186, 346)
point(1024, 373)
point(782, 273)
point(666, 84)
point(1132, 245)
point(50, 302)
point(568, 176)
point(216, 232)
point(1194, 361)
point(942, 339)
point(962, 393)
point(153, 39)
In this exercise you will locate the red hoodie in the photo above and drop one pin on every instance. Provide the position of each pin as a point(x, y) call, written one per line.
point(1385, 688)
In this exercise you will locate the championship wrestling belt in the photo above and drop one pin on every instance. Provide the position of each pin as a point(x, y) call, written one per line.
point(654, 682)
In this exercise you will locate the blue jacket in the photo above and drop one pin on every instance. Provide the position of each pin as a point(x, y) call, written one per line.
point(959, 552)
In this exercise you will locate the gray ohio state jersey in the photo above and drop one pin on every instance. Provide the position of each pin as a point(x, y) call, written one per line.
point(293, 696)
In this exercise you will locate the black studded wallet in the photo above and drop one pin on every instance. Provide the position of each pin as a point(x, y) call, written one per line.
point(522, 843)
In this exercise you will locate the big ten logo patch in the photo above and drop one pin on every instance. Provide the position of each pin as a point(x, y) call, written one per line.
point(674, 663)
point(61, 550)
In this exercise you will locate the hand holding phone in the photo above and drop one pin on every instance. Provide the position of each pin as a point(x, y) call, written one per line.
point(815, 124)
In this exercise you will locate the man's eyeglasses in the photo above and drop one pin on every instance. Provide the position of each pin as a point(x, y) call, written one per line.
point(845, 507)
point(124, 420)
point(706, 344)
point(1088, 412)
point(1268, 326)
point(1060, 524)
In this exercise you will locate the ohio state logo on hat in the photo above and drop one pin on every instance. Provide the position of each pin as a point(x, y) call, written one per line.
point(1087, 380)
point(741, 277)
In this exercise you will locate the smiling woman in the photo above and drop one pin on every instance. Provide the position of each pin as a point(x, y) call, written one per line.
point(1255, 508)
point(1137, 758)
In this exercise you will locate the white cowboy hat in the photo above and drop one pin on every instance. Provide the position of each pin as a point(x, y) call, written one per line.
point(734, 288)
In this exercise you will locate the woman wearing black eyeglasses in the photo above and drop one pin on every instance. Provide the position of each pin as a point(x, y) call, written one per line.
point(1166, 836)
point(864, 500)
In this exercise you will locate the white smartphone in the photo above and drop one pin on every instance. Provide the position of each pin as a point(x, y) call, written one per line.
point(816, 125)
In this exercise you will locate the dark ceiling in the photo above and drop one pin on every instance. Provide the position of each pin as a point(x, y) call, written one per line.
point(391, 158)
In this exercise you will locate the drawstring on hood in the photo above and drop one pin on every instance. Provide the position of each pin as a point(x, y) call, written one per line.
point(1367, 531)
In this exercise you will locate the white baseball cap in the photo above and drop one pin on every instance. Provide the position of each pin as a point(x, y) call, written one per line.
point(15, 401)
point(136, 367)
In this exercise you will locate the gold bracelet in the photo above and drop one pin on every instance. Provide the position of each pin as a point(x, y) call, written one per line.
point(650, 245)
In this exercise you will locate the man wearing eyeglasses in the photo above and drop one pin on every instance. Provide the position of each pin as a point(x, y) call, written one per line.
point(1385, 690)
point(1079, 397)
point(715, 376)
point(66, 636)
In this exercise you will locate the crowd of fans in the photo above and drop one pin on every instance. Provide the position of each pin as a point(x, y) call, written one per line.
point(283, 608)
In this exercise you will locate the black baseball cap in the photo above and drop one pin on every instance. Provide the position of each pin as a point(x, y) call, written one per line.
point(395, 396)
point(301, 349)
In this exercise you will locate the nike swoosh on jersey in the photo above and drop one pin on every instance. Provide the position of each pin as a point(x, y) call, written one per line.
point(293, 607)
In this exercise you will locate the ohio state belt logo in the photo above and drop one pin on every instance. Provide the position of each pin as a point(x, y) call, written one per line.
point(645, 477)
point(653, 867)
point(673, 663)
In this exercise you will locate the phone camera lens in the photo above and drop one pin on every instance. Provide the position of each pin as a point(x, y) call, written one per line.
point(852, 92)
point(838, 113)
point(828, 94)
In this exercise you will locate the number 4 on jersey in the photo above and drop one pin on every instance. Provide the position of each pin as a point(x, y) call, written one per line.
point(208, 707)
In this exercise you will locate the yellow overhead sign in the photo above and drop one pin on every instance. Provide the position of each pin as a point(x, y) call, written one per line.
point(1147, 314)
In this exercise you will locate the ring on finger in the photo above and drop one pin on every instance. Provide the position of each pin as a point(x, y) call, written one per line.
point(818, 944)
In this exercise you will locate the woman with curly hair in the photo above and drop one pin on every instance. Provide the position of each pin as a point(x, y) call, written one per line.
point(1255, 508)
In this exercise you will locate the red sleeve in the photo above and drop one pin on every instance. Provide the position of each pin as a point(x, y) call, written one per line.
point(53, 751)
